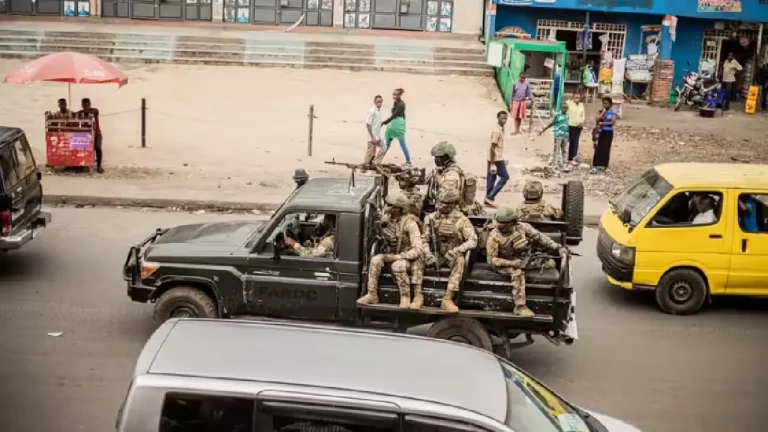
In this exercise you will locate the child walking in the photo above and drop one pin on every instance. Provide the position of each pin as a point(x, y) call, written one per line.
point(560, 130)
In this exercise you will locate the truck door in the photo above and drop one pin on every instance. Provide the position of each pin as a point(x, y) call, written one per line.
point(291, 286)
point(749, 273)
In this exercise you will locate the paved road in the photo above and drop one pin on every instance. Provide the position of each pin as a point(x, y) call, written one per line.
point(662, 373)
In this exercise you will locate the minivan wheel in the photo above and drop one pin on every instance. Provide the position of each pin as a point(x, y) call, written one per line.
point(184, 302)
point(681, 292)
point(463, 330)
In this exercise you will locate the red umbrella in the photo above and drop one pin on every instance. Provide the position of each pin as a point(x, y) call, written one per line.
point(68, 67)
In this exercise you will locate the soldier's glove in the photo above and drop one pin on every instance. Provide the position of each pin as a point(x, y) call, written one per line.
point(430, 259)
point(518, 263)
point(451, 255)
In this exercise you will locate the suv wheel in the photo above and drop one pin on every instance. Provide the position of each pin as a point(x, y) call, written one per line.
point(184, 302)
point(681, 292)
point(462, 330)
point(573, 210)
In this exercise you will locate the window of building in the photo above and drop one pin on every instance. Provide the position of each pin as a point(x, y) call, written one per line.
point(753, 213)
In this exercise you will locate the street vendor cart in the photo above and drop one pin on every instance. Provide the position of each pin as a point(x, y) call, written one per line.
point(69, 142)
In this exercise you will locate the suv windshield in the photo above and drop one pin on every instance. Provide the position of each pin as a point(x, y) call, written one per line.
point(641, 196)
point(533, 408)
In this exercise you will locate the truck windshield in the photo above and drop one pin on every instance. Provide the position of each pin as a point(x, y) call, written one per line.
point(533, 408)
point(641, 196)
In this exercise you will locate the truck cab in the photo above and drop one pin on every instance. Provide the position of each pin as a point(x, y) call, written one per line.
point(236, 269)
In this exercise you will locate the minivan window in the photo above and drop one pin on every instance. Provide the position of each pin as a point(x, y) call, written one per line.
point(641, 196)
point(533, 408)
point(8, 168)
point(24, 157)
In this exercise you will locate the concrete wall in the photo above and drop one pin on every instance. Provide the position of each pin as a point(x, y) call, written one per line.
point(468, 16)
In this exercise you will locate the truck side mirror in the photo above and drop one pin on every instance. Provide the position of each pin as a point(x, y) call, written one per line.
point(276, 245)
point(39, 175)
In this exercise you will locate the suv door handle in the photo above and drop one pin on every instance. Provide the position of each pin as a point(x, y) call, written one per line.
point(716, 236)
point(743, 245)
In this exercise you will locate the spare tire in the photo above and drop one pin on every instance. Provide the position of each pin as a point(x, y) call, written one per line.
point(573, 210)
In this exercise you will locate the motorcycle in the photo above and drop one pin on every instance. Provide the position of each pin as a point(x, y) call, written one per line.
point(697, 88)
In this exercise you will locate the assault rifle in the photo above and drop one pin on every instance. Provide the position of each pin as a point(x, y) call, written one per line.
point(383, 169)
point(435, 245)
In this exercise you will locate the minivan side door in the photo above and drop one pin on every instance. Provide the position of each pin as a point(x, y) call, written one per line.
point(669, 239)
point(749, 261)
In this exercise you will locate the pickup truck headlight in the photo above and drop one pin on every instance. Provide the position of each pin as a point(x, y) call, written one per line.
point(148, 269)
point(623, 253)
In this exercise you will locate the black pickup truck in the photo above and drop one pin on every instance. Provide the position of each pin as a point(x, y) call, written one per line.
point(21, 193)
point(236, 269)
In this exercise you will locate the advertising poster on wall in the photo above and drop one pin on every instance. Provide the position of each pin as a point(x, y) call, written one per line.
point(709, 6)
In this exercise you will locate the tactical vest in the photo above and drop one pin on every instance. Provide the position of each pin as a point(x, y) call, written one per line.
point(403, 240)
point(445, 229)
point(532, 211)
point(389, 231)
point(436, 179)
point(515, 244)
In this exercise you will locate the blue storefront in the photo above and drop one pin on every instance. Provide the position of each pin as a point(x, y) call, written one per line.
point(704, 31)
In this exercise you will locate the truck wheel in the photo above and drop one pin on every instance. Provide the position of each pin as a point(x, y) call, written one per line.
point(681, 292)
point(573, 208)
point(184, 302)
point(462, 330)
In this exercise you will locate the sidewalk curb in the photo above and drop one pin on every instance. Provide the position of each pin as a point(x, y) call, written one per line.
point(181, 204)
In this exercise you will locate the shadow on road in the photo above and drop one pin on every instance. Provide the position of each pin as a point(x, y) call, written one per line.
point(18, 265)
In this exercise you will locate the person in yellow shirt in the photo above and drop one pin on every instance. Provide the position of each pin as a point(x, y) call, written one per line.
point(730, 68)
point(576, 119)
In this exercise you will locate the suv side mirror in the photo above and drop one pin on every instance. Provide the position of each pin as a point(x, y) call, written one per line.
point(39, 175)
point(276, 245)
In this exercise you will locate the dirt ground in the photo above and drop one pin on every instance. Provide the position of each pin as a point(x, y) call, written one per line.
point(228, 127)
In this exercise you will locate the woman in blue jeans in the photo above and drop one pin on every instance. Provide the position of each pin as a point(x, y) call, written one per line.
point(396, 124)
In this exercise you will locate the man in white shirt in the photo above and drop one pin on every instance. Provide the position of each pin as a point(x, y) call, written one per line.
point(705, 207)
point(375, 149)
point(730, 68)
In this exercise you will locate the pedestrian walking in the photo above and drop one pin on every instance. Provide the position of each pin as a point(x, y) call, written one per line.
point(89, 111)
point(559, 125)
point(730, 68)
point(763, 80)
point(497, 168)
point(521, 94)
point(375, 150)
point(576, 120)
point(396, 124)
point(603, 136)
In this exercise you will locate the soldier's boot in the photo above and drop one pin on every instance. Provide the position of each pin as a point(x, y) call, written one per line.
point(405, 298)
point(372, 297)
point(523, 312)
point(447, 303)
point(418, 298)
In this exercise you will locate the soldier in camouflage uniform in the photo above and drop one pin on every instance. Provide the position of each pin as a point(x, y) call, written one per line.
point(508, 246)
point(402, 250)
point(535, 208)
point(448, 175)
point(408, 181)
point(455, 235)
point(324, 245)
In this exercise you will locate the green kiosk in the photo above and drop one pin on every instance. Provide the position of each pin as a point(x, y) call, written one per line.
point(541, 61)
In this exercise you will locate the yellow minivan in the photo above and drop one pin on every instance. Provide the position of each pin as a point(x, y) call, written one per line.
point(689, 231)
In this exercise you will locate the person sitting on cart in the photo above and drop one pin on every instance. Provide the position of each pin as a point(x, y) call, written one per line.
point(62, 113)
point(89, 111)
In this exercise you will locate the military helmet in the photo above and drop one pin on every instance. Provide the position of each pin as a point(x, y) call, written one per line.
point(400, 201)
point(450, 196)
point(443, 148)
point(507, 214)
point(533, 190)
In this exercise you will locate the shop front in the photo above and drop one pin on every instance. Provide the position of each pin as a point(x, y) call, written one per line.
point(45, 7)
point(189, 10)
point(420, 15)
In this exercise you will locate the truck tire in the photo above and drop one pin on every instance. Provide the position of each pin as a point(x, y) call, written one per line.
point(681, 292)
point(462, 330)
point(184, 302)
point(573, 208)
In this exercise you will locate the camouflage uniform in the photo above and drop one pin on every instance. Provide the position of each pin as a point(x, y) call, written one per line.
point(455, 236)
point(534, 208)
point(507, 248)
point(324, 248)
point(403, 250)
point(408, 181)
point(450, 176)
